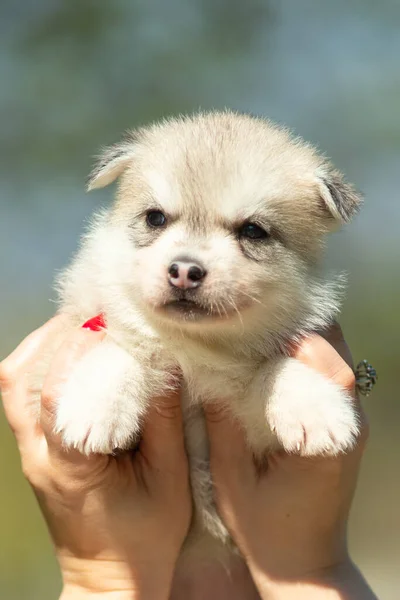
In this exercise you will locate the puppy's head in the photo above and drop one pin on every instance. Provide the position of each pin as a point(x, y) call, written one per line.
point(220, 218)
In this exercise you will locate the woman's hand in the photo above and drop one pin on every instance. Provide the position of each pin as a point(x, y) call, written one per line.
point(117, 523)
point(289, 520)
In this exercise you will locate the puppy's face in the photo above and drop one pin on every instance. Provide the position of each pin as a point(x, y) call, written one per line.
point(221, 218)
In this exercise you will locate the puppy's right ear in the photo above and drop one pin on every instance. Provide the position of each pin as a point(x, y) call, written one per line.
point(111, 163)
point(339, 197)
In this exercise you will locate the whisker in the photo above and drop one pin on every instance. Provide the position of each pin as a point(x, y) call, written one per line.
point(235, 308)
point(218, 309)
point(254, 298)
point(224, 309)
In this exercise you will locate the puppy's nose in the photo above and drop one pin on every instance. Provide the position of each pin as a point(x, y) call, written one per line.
point(186, 275)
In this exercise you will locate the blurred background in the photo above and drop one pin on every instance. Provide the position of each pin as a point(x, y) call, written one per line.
point(75, 73)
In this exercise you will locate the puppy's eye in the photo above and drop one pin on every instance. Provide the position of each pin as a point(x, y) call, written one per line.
point(155, 218)
point(252, 231)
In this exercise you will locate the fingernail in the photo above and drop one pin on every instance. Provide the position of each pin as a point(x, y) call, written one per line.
point(96, 323)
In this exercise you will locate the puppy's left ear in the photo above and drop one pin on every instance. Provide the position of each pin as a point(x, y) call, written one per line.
point(111, 162)
point(340, 198)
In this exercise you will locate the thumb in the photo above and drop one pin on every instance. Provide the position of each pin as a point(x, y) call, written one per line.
point(226, 438)
point(162, 439)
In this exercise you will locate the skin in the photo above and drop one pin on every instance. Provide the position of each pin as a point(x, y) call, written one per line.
point(118, 522)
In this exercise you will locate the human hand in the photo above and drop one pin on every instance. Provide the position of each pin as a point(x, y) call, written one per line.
point(117, 522)
point(289, 518)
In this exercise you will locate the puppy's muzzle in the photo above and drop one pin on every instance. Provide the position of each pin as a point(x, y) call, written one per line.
point(186, 274)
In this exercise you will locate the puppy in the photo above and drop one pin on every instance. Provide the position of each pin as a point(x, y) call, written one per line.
point(208, 261)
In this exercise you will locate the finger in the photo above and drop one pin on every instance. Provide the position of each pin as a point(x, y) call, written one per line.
point(14, 379)
point(74, 347)
point(328, 359)
point(227, 439)
point(334, 335)
point(163, 440)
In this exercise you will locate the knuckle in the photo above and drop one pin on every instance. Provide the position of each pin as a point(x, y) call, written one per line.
point(30, 475)
point(169, 411)
point(8, 373)
point(215, 413)
point(13, 424)
point(48, 397)
point(33, 472)
point(347, 377)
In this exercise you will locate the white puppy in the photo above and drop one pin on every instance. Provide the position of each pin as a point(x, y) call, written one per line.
point(208, 261)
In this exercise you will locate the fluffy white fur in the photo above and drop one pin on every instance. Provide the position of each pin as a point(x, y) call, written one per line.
point(208, 174)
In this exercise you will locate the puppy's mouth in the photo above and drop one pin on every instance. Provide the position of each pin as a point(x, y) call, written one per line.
point(187, 309)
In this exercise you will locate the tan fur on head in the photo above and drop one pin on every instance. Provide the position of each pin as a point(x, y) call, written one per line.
point(221, 136)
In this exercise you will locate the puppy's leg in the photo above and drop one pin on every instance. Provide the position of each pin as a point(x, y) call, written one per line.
point(305, 412)
point(101, 405)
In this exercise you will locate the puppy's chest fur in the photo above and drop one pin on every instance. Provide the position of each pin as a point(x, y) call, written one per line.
point(209, 379)
point(207, 374)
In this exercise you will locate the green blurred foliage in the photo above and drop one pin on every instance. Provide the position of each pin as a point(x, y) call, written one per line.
point(75, 74)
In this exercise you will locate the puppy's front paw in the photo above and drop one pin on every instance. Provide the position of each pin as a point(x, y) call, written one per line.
point(101, 405)
point(311, 415)
point(88, 424)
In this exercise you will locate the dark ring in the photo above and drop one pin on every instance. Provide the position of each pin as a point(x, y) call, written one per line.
point(366, 377)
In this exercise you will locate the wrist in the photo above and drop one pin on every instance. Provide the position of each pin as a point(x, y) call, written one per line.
point(112, 580)
point(77, 593)
point(336, 582)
